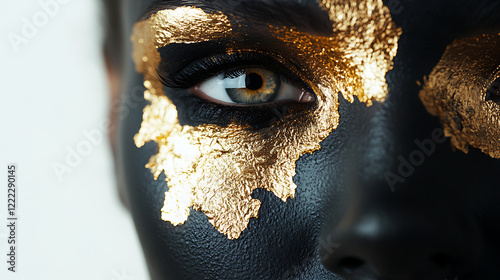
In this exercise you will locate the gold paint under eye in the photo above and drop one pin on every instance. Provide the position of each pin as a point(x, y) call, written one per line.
point(456, 92)
point(215, 169)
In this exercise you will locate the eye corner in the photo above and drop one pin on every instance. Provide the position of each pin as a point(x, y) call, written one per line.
point(307, 96)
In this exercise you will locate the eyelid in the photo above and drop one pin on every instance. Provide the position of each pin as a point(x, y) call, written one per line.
point(205, 68)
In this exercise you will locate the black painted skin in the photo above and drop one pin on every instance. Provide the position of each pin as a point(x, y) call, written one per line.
point(442, 222)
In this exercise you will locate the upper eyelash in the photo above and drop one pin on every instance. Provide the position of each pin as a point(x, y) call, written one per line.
point(205, 68)
point(256, 116)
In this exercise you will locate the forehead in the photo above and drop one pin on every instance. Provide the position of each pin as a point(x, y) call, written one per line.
point(467, 15)
point(307, 15)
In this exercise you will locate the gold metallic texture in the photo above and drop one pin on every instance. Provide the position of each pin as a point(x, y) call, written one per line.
point(215, 169)
point(456, 92)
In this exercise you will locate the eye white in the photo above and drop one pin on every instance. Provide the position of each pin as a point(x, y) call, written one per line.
point(215, 87)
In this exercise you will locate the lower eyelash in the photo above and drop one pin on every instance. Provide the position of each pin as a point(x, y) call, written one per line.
point(195, 111)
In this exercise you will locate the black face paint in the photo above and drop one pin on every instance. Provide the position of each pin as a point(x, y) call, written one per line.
point(435, 216)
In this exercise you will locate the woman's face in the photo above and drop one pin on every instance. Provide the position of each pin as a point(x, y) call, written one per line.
point(292, 139)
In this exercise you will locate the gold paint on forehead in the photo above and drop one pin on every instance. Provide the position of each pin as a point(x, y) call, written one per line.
point(182, 25)
point(455, 91)
point(215, 169)
point(355, 59)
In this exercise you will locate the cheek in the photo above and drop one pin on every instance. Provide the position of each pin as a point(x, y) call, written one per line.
point(282, 228)
point(284, 235)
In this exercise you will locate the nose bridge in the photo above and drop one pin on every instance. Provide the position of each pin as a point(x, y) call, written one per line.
point(403, 215)
point(370, 145)
point(375, 145)
point(394, 144)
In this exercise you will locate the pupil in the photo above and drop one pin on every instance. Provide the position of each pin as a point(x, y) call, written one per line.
point(253, 81)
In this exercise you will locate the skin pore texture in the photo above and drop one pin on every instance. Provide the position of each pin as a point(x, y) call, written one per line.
point(292, 190)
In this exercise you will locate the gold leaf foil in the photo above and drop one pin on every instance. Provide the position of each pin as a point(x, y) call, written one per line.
point(455, 91)
point(215, 169)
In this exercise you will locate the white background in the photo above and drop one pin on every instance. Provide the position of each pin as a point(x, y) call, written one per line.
point(53, 88)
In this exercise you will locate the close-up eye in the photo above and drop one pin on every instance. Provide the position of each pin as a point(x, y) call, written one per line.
point(240, 79)
point(250, 86)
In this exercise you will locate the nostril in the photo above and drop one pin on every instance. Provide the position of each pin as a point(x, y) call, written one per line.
point(441, 260)
point(350, 263)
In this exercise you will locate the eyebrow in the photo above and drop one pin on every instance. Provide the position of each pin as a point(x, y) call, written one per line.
point(306, 16)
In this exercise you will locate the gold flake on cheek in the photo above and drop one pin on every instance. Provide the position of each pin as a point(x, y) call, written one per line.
point(456, 91)
point(215, 169)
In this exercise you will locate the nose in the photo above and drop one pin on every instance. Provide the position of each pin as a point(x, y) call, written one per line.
point(389, 236)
